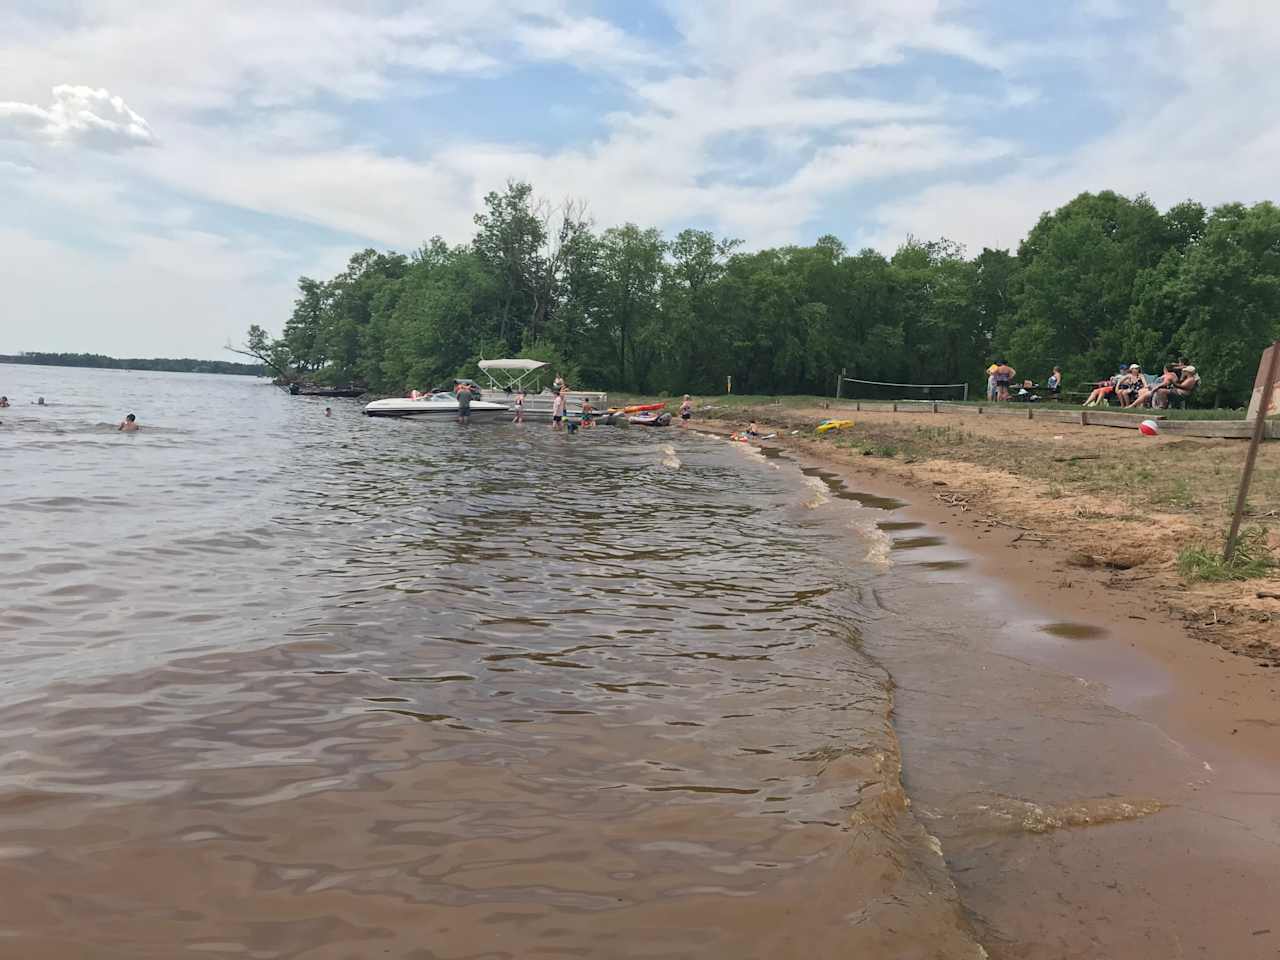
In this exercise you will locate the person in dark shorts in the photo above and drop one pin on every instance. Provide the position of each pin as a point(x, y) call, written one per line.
point(557, 408)
point(686, 410)
point(463, 393)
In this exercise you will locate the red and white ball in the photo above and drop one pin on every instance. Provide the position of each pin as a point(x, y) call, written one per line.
point(1149, 428)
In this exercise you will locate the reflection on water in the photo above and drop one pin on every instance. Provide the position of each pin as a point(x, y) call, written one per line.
point(281, 686)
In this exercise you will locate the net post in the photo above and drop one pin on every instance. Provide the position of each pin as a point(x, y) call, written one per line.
point(1028, 411)
point(858, 406)
point(935, 406)
point(1084, 418)
point(965, 398)
point(895, 407)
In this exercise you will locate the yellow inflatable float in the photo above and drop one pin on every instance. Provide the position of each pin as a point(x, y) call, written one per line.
point(826, 425)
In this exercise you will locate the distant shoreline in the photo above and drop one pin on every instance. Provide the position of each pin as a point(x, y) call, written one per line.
point(98, 361)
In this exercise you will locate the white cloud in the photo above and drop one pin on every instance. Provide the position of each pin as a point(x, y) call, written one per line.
point(754, 121)
point(1193, 130)
point(581, 40)
point(77, 115)
point(209, 55)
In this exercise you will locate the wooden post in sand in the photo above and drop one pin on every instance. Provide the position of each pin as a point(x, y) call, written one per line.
point(1265, 401)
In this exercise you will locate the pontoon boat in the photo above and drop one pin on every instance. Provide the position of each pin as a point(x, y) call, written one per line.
point(509, 377)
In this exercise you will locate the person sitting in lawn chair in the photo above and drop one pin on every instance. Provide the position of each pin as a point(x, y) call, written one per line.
point(1130, 384)
point(1103, 393)
point(1177, 391)
point(1143, 397)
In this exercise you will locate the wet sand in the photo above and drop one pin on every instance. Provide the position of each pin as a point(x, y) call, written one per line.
point(1104, 785)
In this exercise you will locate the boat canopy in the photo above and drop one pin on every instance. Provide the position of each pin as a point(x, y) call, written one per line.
point(510, 375)
point(525, 365)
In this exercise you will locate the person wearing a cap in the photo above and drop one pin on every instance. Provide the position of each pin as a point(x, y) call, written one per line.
point(1144, 397)
point(1130, 385)
point(1183, 387)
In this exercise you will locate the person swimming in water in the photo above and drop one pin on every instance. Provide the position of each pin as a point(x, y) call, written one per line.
point(129, 424)
point(328, 411)
point(4, 401)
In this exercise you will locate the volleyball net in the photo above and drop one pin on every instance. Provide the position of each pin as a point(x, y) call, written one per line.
point(853, 389)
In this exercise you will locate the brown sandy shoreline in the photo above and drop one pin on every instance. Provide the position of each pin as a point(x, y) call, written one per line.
point(1109, 499)
point(1201, 861)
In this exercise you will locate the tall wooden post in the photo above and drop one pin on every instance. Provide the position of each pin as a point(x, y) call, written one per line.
point(1265, 382)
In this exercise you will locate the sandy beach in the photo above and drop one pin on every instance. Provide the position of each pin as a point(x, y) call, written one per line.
point(1091, 497)
point(1190, 668)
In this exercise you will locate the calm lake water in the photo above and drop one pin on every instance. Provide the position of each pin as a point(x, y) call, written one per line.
point(280, 685)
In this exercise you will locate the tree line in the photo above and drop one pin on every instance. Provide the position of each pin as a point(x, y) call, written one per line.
point(166, 364)
point(1103, 280)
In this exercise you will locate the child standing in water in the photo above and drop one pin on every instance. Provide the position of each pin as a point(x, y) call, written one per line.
point(519, 418)
point(557, 409)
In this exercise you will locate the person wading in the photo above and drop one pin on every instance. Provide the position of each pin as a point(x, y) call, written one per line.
point(463, 392)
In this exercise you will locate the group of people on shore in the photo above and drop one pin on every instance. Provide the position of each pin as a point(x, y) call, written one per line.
point(1001, 387)
point(1130, 387)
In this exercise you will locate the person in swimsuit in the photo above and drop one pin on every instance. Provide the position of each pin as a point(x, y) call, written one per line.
point(1130, 385)
point(328, 411)
point(1144, 394)
point(1054, 383)
point(4, 401)
point(686, 410)
point(753, 431)
point(463, 393)
point(557, 409)
point(588, 413)
point(1004, 373)
point(519, 417)
point(1185, 385)
point(129, 424)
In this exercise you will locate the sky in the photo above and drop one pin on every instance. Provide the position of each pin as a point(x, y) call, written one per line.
point(168, 170)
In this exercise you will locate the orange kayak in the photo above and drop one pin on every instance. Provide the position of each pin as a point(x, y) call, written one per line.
point(639, 408)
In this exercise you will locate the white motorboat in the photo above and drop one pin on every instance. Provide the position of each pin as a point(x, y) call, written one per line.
point(509, 377)
point(438, 405)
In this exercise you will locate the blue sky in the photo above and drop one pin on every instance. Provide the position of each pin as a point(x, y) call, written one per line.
point(167, 171)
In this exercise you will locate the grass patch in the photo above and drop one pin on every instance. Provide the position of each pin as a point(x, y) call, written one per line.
point(1252, 560)
point(1178, 494)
